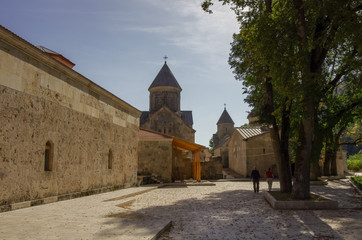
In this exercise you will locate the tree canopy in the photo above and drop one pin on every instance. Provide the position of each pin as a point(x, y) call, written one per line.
point(301, 63)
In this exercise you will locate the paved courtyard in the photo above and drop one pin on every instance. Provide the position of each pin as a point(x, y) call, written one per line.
point(228, 210)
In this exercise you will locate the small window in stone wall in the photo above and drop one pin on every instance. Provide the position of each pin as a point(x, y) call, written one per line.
point(48, 163)
point(263, 150)
point(110, 159)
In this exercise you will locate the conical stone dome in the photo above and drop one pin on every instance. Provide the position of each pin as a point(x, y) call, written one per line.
point(165, 78)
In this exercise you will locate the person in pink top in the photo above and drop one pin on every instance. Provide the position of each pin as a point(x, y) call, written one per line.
point(269, 178)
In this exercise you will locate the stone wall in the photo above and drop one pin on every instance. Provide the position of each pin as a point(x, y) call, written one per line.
point(224, 130)
point(260, 153)
point(237, 154)
point(211, 169)
point(255, 151)
point(182, 164)
point(341, 163)
point(166, 122)
point(155, 158)
point(164, 96)
point(42, 100)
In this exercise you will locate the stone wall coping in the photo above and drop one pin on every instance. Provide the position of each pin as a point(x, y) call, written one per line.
point(300, 204)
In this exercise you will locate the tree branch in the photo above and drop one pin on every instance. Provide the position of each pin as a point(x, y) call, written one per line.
point(356, 9)
point(355, 142)
point(268, 5)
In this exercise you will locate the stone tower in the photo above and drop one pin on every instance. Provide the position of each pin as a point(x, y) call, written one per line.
point(165, 114)
point(225, 128)
point(225, 125)
point(165, 91)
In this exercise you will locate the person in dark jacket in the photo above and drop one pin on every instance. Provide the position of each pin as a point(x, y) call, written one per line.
point(256, 177)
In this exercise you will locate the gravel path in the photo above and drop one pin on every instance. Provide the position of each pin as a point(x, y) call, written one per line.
point(228, 210)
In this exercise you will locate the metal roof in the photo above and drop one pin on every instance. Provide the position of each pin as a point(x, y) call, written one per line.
point(47, 50)
point(165, 78)
point(248, 132)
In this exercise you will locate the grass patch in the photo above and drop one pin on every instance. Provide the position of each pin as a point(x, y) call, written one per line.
point(279, 196)
point(354, 162)
point(358, 181)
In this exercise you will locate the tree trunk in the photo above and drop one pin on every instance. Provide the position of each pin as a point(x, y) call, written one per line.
point(334, 164)
point(334, 154)
point(327, 163)
point(331, 153)
point(301, 187)
point(286, 183)
point(315, 170)
point(280, 144)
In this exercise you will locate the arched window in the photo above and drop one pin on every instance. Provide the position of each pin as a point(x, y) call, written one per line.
point(110, 159)
point(48, 163)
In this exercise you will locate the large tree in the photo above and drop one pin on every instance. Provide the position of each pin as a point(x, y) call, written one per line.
point(287, 45)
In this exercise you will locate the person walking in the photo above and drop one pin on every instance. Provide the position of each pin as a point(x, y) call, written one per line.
point(269, 178)
point(256, 177)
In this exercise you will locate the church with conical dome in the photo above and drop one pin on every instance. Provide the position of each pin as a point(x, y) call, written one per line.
point(165, 114)
point(225, 128)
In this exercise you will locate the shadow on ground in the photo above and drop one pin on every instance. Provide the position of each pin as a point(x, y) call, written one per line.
point(232, 214)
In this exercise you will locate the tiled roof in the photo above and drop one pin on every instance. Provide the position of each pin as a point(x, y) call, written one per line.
point(147, 134)
point(144, 117)
point(186, 116)
point(225, 118)
point(57, 56)
point(248, 132)
point(165, 78)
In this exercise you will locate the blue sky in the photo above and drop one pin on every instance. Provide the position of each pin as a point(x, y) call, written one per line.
point(120, 45)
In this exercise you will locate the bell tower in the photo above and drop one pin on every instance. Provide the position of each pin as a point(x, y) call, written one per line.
point(165, 91)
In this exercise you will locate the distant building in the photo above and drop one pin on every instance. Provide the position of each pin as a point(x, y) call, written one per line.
point(242, 148)
point(165, 115)
point(251, 147)
point(60, 132)
point(225, 128)
point(166, 149)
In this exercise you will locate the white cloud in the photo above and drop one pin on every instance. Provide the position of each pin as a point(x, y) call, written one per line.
point(201, 32)
point(184, 24)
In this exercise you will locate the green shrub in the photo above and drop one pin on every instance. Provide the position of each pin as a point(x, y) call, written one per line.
point(357, 181)
point(354, 162)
